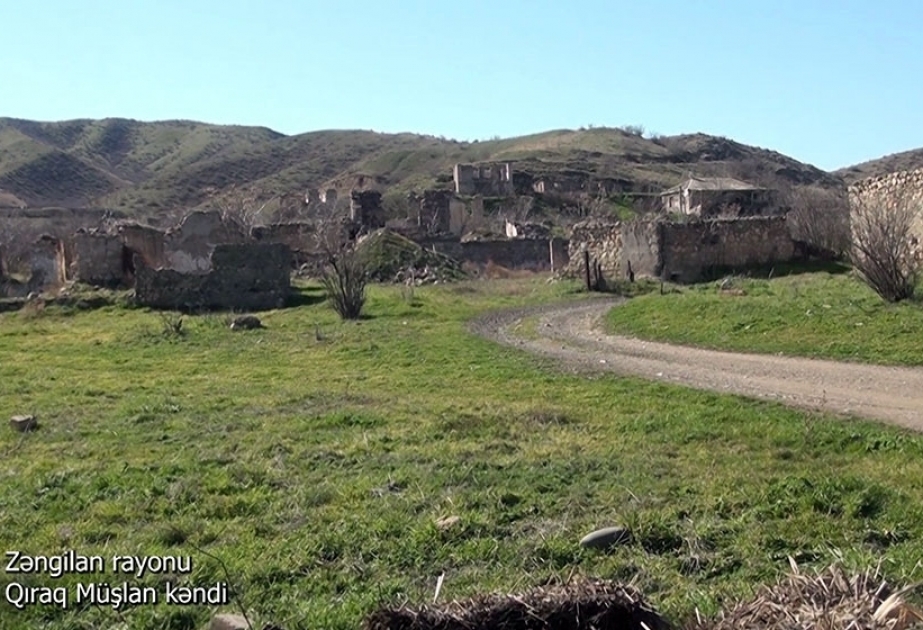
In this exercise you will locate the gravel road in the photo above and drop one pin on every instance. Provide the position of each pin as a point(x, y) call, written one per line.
point(571, 334)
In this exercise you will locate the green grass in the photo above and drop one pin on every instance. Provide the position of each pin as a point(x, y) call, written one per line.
point(819, 315)
point(267, 450)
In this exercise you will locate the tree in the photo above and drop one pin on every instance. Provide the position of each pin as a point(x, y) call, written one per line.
point(885, 224)
point(819, 218)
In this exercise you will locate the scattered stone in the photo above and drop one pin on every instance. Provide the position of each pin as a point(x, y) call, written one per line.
point(246, 322)
point(448, 522)
point(226, 621)
point(606, 537)
point(24, 423)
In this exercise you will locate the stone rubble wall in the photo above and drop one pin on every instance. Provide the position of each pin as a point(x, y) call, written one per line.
point(679, 251)
point(244, 277)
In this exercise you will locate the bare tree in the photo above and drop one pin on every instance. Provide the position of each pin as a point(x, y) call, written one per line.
point(242, 206)
point(885, 239)
point(344, 273)
point(820, 218)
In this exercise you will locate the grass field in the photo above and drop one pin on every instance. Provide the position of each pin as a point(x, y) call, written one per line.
point(314, 458)
point(822, 315)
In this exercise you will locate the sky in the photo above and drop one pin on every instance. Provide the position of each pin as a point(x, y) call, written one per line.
point(828, 82)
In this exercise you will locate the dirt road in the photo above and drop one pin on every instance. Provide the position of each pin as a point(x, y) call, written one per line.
point(572, 335)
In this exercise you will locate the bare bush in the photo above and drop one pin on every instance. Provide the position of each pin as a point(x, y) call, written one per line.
point(885, 246)
point(819, 218)
point(245, 207)
point(344, 274)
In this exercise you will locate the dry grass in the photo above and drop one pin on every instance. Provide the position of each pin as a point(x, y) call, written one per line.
point(827, 600)
point(580, 605)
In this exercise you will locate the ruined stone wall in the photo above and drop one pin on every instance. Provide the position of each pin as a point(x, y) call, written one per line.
point(245, 277)
point(146, 241)
point(435, 214)
point(188, 246)
point(527, 254)
point(46, 262)
point(641, 243)
point(366, 210)
point(603, 240)
point(689, 251)
point(679, 251)
point(98, 259)
point(492, 180)
point(299, 236)
point(902, 187)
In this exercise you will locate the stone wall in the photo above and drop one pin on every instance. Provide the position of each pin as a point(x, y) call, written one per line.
point(603, 240)
point(526, 254)
point(366, 210)
point(435, 213)
point(679, 251)
point(244, 277)
point(902, 187)
point(689, 251)
point(188, 246)
point(301, 237)
point(492, 180)
point(145, 241)
point(100, 259)
point(46, 262)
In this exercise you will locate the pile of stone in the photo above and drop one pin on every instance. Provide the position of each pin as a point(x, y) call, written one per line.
point(390, 257)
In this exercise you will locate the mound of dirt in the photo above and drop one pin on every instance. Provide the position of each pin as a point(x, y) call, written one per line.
point(394, 258)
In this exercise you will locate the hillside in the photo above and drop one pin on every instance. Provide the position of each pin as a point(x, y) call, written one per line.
point(160, 166)
point(904, 161)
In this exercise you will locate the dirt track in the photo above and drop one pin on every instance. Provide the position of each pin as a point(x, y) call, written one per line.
point(572, 335)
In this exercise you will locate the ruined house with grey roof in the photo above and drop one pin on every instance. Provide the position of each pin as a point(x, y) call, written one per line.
point(708, 197)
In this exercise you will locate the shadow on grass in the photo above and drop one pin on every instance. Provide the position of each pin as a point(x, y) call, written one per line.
point(305, 296)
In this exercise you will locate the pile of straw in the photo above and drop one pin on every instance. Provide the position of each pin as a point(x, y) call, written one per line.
point(826, 600)
point(583, 605)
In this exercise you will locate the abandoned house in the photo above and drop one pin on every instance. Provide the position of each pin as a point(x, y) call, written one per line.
point(490, 180)
point(717, 196)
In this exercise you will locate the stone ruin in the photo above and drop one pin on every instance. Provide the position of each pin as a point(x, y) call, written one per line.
point(251, 276)
point(44, 267)
point(492, 180)
point(678, 251)
point(365, 209)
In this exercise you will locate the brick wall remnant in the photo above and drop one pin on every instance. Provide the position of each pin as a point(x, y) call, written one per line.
point(249, 277)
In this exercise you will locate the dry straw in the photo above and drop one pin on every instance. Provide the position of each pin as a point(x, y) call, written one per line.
point(825, 600)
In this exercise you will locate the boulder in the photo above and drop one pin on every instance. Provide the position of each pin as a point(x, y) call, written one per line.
point(606, 537)
point(24, 423)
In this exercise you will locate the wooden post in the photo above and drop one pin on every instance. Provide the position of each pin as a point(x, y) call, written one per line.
point(586, 268)
point(551, 252)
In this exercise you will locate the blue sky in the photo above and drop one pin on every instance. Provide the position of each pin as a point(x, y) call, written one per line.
point(829, 82)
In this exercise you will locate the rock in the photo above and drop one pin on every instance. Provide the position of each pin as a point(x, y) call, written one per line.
point(448, 522)
point(246, 322)
point(606, 537)
point(226, 621)
point(24, 423)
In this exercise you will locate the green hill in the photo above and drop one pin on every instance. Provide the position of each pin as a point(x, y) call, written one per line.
point(156, 167)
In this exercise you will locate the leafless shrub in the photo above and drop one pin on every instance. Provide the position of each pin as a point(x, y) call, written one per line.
point(244, 206)
point(885, 247)
point(819, 218)
point(344, 274)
